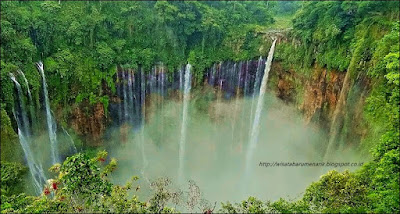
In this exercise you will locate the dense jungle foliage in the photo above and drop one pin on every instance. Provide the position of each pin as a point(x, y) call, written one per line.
point(82, 42)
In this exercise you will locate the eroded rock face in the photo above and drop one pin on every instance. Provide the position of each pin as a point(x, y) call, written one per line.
point(89, 122)
point(315, 95)
point(321, 94)
point(285, 82)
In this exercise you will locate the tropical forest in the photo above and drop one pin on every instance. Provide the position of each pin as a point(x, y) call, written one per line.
point(200, 107)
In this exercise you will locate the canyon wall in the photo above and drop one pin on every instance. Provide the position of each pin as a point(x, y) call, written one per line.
point(316, 94)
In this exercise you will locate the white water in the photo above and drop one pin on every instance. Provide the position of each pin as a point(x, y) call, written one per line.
point(255, 88)
point(125, 97)
point(119, 94)
point(24, 139)
point(256, 123)
point(70, 140)
point(25, 120)
point(130, 95)
point(182, 142)
point(52, 127)
point(162, 99)
point(143, 95)
point(31, 104)
point(27, 85)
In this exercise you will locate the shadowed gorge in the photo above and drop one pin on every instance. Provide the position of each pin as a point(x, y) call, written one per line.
point(204, 107)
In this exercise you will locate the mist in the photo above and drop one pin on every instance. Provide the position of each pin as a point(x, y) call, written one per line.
point(216, 143)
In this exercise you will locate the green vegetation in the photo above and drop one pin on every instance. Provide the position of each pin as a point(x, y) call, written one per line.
point(361, 38)
point(81, 184)
point(11, 178)
point(81, 43)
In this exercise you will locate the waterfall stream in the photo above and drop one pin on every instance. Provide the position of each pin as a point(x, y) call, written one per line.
point(25, 140)
point(31, 104)
point(51, 124)
point(186, 95)
point(260, 102)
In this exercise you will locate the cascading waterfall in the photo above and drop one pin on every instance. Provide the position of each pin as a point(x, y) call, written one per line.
point(24, 139)
point(162, 78)
point(73, 147)
point(143, 97)
point(246, 80)
point(186, 94)
point(237, 73)
point(181, 71)
point(255, 127)
point(126, 112)
point(130, 95)
point(51, 124)
point(245, 93)
point(338, 115)
point(118, 85)
point(27, 85)
point(256, 87)
point(22, 106)
point(31, 104)
point(231, 79)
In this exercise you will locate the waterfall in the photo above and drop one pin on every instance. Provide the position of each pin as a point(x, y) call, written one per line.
point(236, 100)
point(124, 94)
point(162, 100)
point(143, 103)
point(31, 106)
point(74, 150)
point(338, 117)
point(24, 139)
point(186, 93)
point(255, 89)
point(27, 85)
point(212, 76)
point(52, 127)
point(181, 71)
point(119, 95)
point(25, 120)
point(130, 95)
point(246, 80)
point(255, 127)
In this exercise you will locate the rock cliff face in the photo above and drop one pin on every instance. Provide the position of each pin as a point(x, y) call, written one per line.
point(317, 95)
point(321, 94)
point(89, 122)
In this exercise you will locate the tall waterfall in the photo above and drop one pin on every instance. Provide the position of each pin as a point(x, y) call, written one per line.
point(130, 95)
point(124, 91)
point(143, 103)
point(255, 127)
point(162, 79)
point(256, 88)
point(51, 124)
point(230, 79)
point(31, 104)
point(186, 94)
point(118, 85)
point(24, 139)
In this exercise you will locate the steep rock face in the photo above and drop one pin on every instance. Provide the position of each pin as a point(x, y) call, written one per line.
point(315, 95)
point(89, 123)
point(321, 94)
point(284, 82)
